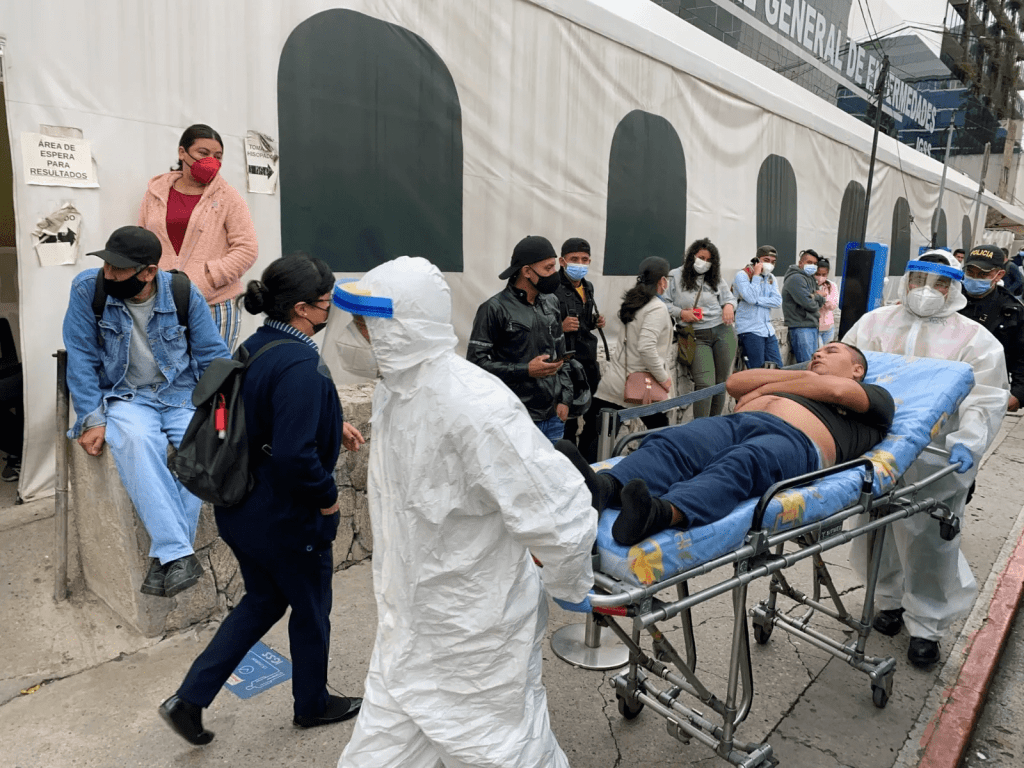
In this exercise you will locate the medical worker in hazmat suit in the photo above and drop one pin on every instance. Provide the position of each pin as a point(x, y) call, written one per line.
point(462, 488)
point(924, 581)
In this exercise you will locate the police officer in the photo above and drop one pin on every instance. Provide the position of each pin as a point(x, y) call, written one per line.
point(996, 308)
point(580, 319)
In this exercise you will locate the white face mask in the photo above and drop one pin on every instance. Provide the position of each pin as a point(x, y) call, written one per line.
point(767, 267)
point(356, 354)
point(700, 266)
point(925, 302)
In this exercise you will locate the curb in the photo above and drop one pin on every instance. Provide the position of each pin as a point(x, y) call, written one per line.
point(946, 737)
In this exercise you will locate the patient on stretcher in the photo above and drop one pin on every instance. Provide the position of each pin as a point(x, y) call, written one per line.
point(786, 423)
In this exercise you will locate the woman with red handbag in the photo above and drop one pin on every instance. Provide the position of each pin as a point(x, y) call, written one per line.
point(639, 373)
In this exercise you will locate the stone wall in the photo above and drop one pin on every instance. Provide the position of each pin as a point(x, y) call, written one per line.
point(108, 544)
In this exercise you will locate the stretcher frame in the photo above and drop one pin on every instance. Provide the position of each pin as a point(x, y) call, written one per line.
point(763, 554)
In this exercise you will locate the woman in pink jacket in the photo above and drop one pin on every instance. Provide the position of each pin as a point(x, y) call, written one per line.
point(203, 225)
point(829, 290)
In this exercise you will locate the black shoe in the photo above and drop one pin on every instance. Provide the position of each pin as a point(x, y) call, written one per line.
point(604, 489)
point(889, 622)
point(186, 720)
point(641, 516)
point(922, 653)
point(153, 584)
point(12, 469)
point(181, 574)
point(339, 708)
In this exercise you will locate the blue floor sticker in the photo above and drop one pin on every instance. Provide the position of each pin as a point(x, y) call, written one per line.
point(262, 668)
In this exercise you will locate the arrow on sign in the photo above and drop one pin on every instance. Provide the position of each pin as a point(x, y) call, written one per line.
point(65, 236)
point(261, 170)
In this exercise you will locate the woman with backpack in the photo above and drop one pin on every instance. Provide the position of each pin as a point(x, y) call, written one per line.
point(282, 531)
point(203, 225)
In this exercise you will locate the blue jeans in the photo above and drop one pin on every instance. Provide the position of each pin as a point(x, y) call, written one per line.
point(138, 431)
point(826, 336)
point(553, 428)
point(708, 467)
point(760, 349)
point(803, 342)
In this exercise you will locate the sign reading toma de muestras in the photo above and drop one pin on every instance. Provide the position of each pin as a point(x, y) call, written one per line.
point(828, 43)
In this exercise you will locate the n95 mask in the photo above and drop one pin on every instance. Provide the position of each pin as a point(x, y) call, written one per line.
point(925, 302)
point(355, 353)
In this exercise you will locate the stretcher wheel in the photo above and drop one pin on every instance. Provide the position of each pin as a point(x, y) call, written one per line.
point(879, 697)
point(628, 711)
point(949, 530)
point(762, 633)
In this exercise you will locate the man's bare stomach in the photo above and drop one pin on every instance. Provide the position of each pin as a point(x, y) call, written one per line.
point(797, 416)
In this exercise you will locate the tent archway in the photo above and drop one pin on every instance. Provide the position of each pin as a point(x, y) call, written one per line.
point(371, 128)
point(646, 194)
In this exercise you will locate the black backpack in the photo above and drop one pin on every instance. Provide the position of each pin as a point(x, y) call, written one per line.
point(181, 292)
point(213, 459)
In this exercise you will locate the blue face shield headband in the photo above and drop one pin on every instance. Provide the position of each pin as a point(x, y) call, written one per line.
point(355, 299)
point(936, 269)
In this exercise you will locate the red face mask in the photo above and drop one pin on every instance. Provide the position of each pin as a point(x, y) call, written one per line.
point(205, 170)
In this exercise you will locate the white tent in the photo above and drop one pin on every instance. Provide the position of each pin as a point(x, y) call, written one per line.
point(542, 86)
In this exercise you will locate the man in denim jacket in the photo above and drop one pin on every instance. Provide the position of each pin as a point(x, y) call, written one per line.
point(131, 378)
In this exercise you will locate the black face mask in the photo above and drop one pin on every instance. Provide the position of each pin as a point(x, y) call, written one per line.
point(124, 289)
point(547, 284)
point(317, 327)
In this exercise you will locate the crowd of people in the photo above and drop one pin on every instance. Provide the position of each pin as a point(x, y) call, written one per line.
point(471, 475)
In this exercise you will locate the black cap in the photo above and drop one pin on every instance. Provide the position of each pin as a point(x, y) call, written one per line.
point(575, 245)
point(529, 250)
point(986, 257)
point(131, 247)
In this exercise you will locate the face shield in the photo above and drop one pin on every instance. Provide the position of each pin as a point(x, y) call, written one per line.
point(930, 289)
point(354, 350)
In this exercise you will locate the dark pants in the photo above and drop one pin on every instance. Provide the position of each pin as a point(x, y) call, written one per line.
point(760, 349)
point(586, 440)
point(708, 467)
point(301, 580)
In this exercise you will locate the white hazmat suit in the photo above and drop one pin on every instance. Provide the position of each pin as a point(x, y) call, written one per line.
point(920, 572)
point(462, 488)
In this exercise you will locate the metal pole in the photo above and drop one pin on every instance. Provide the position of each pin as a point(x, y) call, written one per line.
point(880, 93)
point(977, 199)
point(942, 186)
point(60, 500)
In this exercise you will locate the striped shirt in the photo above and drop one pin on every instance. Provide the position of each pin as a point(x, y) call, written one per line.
point(292, 330)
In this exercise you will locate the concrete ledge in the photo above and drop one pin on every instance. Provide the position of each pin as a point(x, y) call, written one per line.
point(112, 545)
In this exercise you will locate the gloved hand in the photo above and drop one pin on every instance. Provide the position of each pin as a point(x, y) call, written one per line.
point(961, 454)
point(583, 606)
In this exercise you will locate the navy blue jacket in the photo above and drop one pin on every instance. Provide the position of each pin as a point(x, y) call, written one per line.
point(292, 405)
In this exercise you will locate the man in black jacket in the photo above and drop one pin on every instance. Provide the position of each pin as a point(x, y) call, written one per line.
point(580, 319)
point(517, 335)
point(995, 308)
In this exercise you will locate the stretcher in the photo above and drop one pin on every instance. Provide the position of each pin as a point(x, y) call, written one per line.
point(795, 520)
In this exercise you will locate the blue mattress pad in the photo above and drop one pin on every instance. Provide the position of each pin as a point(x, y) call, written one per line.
point(926, 391)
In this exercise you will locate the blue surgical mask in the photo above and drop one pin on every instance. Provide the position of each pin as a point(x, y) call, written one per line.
point(976, 287)
point(576, 272)
point(810, 269)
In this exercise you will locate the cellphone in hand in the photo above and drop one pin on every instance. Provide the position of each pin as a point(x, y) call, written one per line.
point(698, 312)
